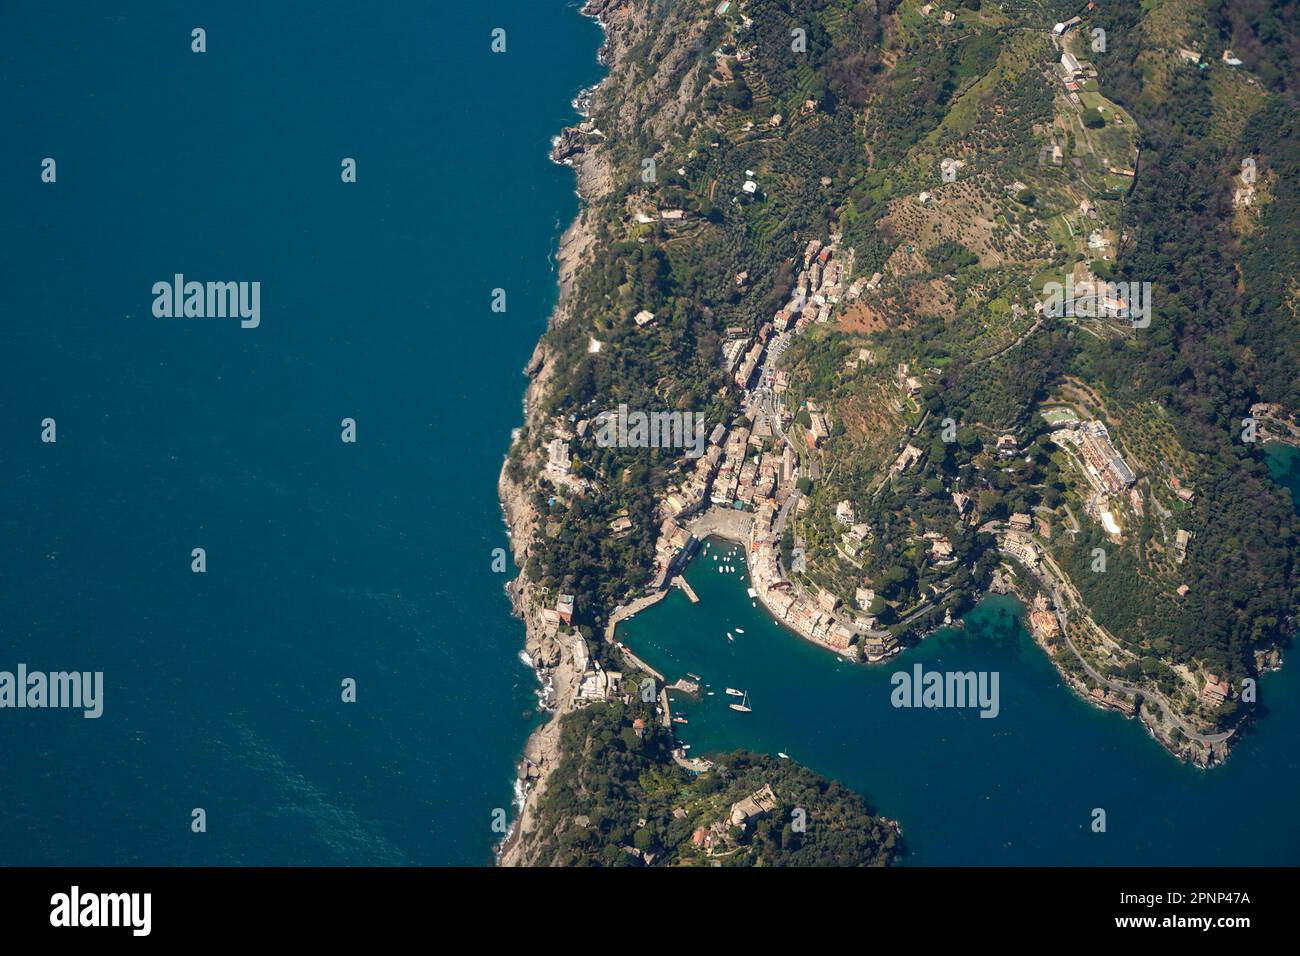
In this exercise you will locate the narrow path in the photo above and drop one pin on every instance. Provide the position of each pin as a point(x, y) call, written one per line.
point(1076, 602)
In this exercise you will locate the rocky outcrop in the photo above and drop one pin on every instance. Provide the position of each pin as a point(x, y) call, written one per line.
point(554, 667)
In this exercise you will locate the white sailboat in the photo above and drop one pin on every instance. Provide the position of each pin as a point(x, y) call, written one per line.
point(743, 706)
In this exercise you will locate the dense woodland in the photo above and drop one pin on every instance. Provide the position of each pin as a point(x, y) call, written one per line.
point(617, 792)
point(1223, 334)
point(1224, 338)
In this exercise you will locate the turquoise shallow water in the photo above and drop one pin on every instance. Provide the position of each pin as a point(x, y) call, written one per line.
point(1016, 789)
point(325, 560)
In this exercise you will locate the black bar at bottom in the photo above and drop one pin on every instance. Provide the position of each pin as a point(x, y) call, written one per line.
point(336, 905)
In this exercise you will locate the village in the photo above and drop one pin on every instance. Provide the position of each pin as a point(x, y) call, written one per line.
point(754, 468)
point(750, 484)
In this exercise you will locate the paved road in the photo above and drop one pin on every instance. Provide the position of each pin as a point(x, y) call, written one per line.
point(1077, 603)
point(778, 526)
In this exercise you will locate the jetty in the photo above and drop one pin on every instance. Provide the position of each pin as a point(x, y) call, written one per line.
point(625, 611)
point(682, 583)
point(692, 765)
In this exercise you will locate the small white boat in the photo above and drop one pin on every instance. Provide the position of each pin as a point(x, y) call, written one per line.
point(728, 635)
point(783, 756)
point(740, 630)
point(735, 693)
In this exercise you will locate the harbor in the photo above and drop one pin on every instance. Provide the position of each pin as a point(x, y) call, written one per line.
point(995, 800)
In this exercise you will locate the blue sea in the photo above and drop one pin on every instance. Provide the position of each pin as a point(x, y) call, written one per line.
point(325, 560)
point(1021, 788)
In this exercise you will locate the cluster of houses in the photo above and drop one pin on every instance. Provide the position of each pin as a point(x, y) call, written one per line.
point(1018, 542)
point(745, 372)
point(595, 684)
point(821, 617)
point(908, 457)
point(660, 215)
point(940, 549)
point(1245, 193)
point(1074, 74)
point(1111, 700)
point(1216, 690)
point(946, 18)
point(740, 478)
point(819, 426)
point(863, 284)
point(748, 467)
point(717, 837)
point(908, 382)
point(692, 493)
point(818, 288)
point(780, 595)
point(558, 460)
point(1043, 624)
point(760, 477)
point(1103, 463)
point(741, 355)
point(674, 547)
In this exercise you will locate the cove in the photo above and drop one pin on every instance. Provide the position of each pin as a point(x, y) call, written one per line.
point(1016, 790)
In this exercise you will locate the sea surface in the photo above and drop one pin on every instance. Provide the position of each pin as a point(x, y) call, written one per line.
point(325, 560)
point(1018, 788)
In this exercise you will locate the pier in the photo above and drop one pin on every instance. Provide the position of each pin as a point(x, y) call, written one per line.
point(689, 591)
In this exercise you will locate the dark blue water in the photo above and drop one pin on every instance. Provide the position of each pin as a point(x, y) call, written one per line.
point(1016, 789)
point(325, 560)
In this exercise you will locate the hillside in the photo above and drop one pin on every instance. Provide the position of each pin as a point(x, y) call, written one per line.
point(620, 800)
point(983, 296)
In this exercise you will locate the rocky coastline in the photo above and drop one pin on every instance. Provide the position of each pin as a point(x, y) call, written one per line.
point(573, 147)
point(582, 148)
